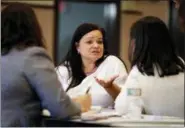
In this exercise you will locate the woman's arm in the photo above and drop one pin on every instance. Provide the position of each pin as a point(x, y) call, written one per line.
point(123, 101)
point(112, 75)
point(63, 76)
point(114, 90)
point(40, 73)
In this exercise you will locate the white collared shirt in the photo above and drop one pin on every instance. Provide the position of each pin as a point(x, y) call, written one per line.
point(108, 68)
point(161, 95)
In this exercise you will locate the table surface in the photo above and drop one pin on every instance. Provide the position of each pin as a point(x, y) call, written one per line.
point(110, 117)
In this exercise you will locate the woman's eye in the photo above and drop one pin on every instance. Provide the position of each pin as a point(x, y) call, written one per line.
point(100, 42)
point(89, 42)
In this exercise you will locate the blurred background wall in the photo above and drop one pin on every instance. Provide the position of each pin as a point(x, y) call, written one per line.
point(130, 11)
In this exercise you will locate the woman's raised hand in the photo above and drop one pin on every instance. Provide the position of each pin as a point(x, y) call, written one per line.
point(106, 83)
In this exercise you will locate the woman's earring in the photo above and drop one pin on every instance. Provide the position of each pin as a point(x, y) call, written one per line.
point(78, 51)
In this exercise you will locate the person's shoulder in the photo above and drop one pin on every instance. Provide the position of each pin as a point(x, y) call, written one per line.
point(115, 61)
point(112, 58)
point(36, 54)
point(62, 69)
point(35, 50)
point(135, 71)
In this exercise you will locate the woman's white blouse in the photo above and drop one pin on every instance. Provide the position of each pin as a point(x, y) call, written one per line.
point(108, 68)
point(161, 95)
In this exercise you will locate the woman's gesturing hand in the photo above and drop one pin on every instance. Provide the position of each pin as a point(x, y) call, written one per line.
point(106, 83)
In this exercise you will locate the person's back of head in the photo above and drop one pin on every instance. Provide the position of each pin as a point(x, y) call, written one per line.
point(19, 28)
point(153, 48)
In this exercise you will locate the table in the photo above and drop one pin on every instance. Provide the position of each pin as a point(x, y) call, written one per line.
point(111, 118)
point(108, 117)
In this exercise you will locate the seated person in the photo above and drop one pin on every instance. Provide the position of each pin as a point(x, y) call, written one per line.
point(29, 82)
point(87, 60)
point(156, 70)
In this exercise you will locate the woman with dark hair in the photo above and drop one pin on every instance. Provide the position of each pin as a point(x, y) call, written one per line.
point(87, 62)
point(156, 70)
point(29, 82)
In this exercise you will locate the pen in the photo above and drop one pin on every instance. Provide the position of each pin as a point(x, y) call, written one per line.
point(88, 89)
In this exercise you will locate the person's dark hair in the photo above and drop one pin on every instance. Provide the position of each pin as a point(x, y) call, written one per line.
point(181, 12)
point(73, 60)
point(19, 28)
point(154, 48)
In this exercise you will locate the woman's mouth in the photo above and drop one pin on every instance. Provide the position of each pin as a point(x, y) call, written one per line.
point(95, 52)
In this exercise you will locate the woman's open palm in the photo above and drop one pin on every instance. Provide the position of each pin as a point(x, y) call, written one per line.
point(106, 83)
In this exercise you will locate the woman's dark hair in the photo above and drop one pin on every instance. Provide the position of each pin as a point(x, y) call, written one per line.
point(154, 48)
point(19, 28)
point(73, 60)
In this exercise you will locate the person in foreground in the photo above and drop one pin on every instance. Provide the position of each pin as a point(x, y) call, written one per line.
point(29, 82)
point(87, 63)
point(156, 70)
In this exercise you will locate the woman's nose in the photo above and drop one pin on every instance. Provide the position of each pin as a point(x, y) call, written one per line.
point(95, 44)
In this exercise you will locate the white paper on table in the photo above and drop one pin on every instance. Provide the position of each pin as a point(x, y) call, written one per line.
point(104, 114)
